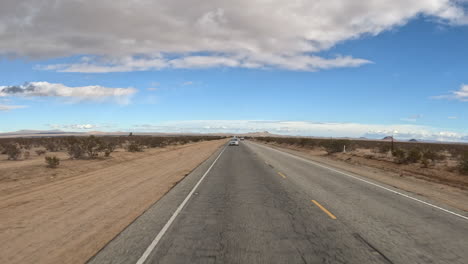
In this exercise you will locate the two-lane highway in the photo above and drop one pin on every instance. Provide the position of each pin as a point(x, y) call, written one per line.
point(254, 204)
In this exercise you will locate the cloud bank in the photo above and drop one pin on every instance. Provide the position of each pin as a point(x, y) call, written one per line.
point(4, 107)
point(412, 118)
point(74, 126)
point(303, 128)
point(123, 35)
point(46, 89)
point(147, 63)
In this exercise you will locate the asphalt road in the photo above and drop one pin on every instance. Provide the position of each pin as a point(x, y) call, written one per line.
point(259, 205)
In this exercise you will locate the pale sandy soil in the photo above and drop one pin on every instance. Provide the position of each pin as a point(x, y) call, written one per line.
point(66, 215)
point(438, 185)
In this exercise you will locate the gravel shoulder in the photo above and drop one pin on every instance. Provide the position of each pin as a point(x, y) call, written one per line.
point(68, 214)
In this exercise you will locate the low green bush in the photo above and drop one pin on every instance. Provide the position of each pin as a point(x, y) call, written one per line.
point(52, 161)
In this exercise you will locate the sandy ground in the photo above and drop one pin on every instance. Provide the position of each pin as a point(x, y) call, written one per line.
point(66, 215)
point(450, 190)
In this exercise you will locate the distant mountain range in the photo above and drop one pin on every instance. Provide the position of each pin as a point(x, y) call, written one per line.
point(59, 133)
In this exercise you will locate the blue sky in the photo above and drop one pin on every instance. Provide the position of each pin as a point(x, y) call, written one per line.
point(402, 78)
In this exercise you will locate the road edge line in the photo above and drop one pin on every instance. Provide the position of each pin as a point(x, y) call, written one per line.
point(161, 233)
point(368, 182)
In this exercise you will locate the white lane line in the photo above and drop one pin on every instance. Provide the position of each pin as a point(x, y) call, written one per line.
point(368, 182)
point(161, 233)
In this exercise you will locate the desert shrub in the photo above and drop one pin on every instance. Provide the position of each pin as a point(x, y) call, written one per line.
point(454, 153)
point(40, 152)
point(429, 154)
point(134, 147)
point(12, 151)
point(52, 146)
point(384, 148)
point(454, 149)
point(399, 156)
point(26, 146)
point(334, 146)
point(26, 155)
point(441, 157)
point(463, 163)
point(155, 142)
point(92, 146)
point(413, 156)
point(108, 148)
point(184, 140)
point(310, 143)
point(425, 163)
point(52, 161)
point(75, 151)
point(25, 143)
point(304, 142)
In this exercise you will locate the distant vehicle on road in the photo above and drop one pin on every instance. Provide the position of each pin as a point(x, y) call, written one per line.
point(234, 142)
point(242, 138)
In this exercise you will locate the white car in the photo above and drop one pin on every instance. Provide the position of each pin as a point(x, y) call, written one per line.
point(234, 142)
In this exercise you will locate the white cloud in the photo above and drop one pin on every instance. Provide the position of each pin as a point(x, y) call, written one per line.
point(452, 117)
point(412, 118)
point(75, 127)
point(4, 107)
point(187, 83)
point(128, 63)
point(302, 128)
point(123, 35)
point(45, 89)
point(460, 95)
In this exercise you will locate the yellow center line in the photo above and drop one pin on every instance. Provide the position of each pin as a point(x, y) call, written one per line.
point(324, 209)
point(282, 175)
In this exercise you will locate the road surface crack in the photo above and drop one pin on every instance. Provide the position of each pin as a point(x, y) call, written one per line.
point(373, 248)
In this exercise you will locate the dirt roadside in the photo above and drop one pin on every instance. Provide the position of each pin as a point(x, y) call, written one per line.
point(437, 191)
point(68, 218)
